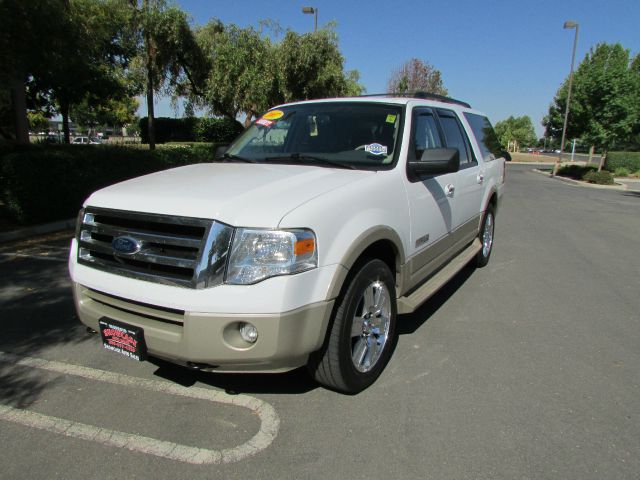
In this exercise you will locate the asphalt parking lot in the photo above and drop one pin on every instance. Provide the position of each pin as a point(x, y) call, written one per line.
point(526, 369)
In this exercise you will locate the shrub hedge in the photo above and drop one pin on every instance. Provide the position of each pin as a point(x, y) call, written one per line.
point(577, 172)
point(622, 172)
point(600, 178)
point(218, 130)
point(43, 184)
point(628, 160)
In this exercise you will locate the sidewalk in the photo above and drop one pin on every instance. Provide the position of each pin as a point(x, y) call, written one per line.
point(26, 232)
point(621, 183)
point(631, 184)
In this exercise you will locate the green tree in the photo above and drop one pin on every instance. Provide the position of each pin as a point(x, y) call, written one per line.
point(416, 76)
point(169, 55)
point(605, 100)
point(57, 51)
point(312, 66)
point(243, 75)
point(38, 122)
point(28, 47)
point(95, 50)
point(516, 129)
point(249, 72)
point(115, 112)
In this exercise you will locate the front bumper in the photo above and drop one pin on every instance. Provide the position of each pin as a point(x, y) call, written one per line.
point(200, 326)
point(210, 340)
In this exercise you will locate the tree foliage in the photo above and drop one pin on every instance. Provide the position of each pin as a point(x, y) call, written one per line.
point(249, 72)
point(60, 51)
point(86, 59)
point(518, 129)
point(312, 66)
point(243, 74)
point(416, 76)
point(168, 54)
point(114, 111)
point(605, 100)
point(28, 47)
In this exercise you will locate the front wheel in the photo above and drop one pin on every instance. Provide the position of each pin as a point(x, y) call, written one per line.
point(486, 236)
point(362, 333)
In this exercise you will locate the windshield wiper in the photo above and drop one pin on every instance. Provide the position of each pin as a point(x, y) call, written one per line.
point(309, 159)
point(231, 156)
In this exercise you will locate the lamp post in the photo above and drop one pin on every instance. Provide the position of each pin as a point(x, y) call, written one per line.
point(314, 11)
point(567, 25)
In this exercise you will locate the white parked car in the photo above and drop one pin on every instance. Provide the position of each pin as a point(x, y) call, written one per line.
point(300, 246)
point(85, 141)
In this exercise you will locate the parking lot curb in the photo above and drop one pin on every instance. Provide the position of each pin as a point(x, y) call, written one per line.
point(617, 186)
point(27, 232)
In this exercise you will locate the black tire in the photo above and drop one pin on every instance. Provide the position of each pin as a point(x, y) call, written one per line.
point(334, 366)
point(486, 236)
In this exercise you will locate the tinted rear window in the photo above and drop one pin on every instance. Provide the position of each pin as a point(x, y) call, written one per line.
point(483, 131)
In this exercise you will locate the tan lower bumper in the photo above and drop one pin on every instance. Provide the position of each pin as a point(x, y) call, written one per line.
point(284, 342)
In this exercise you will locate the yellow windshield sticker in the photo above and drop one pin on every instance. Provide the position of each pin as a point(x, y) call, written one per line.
point(273, 115)
point(391, 118)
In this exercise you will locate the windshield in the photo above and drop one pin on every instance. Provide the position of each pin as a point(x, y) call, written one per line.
point(351, 135)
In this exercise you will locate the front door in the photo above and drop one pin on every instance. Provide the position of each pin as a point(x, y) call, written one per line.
point(431, 203)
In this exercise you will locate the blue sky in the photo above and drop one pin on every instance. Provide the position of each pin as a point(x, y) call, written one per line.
point(504, 57)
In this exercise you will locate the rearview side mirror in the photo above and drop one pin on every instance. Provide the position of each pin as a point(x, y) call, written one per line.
point(435, 161)
point(220, 151)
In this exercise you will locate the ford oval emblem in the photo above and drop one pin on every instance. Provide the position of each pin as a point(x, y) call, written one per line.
point(126, 245)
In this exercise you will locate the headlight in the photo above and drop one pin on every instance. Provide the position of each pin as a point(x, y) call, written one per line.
point(259, 254)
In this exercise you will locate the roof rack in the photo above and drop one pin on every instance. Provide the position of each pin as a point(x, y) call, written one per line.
point(421, 95)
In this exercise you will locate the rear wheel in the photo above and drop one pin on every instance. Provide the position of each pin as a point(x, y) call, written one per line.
point(361, 339)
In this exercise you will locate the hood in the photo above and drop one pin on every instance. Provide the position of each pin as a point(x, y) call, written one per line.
point(251, 195)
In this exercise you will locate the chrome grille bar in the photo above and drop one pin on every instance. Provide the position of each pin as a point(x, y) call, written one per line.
point(182, 251)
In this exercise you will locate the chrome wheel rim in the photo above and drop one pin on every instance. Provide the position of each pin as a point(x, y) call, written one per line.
point(487, 235)
point(370, 326)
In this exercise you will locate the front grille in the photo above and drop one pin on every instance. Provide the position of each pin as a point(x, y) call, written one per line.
point(182, 251)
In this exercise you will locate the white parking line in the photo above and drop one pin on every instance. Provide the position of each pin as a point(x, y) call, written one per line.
point(269, 420)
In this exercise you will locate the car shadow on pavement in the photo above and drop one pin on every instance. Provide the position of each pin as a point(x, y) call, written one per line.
point(37, 310)
point(21, 387)
point(37, 313)
point(409, 323)
point(294, 382)
point(631, 193)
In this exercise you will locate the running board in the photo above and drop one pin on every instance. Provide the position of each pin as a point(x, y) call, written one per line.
point(412, 302)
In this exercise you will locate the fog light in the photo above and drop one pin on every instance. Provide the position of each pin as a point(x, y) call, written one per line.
point(248, 332)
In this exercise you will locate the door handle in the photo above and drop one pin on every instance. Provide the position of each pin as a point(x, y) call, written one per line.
point(449, 190)
point(480, 177)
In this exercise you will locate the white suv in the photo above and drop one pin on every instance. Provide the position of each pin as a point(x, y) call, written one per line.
point(300, 245)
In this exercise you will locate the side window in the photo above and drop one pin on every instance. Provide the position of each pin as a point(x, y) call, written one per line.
point(454, 136)
point(486, 137)
point(425, 132)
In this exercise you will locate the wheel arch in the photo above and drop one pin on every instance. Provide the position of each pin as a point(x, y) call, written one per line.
point(492, 199)
point(377, 242)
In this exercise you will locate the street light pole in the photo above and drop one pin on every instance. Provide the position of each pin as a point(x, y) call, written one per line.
point(314, 11)
point(567, 25)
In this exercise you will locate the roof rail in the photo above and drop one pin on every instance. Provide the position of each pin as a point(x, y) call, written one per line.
point(421, 95)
